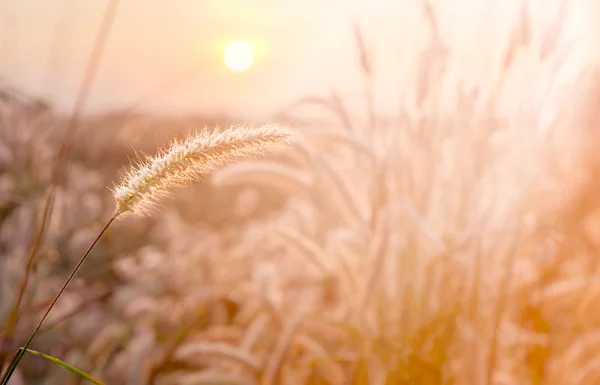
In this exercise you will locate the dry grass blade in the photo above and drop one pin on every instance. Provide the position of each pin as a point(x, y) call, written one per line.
point(273, 368)
point(433, 22)
point(340, 195)
point(16, 309)
point(175, 341)
point(287, 179)
point(305, 247)
point(505, 285)
point(347, 139)
point(363, 54)
point(210, 377)
point(139, 372)
point(190, 351)
point(341, 111)
point(66, 366)
point(256, 329)
point(334, 105)
point(366, 65)
point(322, 359)
point(378, 254)
point(316, 254)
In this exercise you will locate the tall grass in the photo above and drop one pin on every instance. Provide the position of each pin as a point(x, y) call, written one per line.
point(454, 244)
point(145, 185)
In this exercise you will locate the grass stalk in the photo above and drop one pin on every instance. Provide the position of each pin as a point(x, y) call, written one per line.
point(21, 352)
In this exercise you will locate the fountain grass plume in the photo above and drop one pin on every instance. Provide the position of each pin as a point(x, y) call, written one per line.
point(186, 160)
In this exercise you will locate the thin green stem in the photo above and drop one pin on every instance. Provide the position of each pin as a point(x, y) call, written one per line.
point(21, 352)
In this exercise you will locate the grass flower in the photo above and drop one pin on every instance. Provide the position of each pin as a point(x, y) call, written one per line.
point(186, 160)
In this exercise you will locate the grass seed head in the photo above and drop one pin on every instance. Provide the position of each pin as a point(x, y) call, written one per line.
point(185, 161)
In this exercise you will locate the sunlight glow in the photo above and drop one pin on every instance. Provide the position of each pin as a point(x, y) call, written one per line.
point(239, 56)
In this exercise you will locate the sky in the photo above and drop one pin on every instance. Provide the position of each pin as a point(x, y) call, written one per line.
point(303, 48)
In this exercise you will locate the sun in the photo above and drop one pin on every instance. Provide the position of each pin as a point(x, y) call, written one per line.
point(239, 56)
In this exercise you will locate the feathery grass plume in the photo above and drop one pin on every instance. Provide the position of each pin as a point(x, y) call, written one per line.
point(186, 160)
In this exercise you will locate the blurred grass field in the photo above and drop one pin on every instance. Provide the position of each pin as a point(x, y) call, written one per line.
point(455, 243)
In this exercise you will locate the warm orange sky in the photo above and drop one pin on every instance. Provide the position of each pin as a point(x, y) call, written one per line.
point(303, 48)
